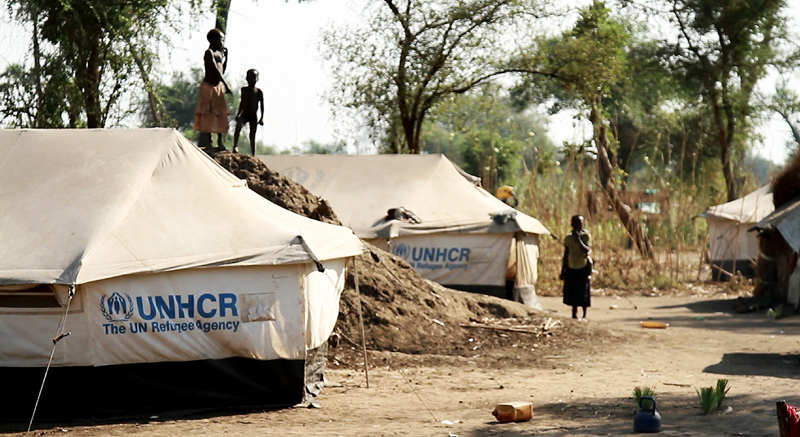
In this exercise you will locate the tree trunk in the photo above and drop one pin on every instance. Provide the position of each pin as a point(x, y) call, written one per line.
point(415, 146)
point(792, 126)
point(604, 173)
point(410, 133)
point(89, 77)
point(37, 69)
point(223, 7)
point(723, 135)
point(148, 85)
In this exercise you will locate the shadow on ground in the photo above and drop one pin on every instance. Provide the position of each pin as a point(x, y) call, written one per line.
point(751, 415)
point(707, 306)
point(757, 364)
point(718, 315)
point(45, 426)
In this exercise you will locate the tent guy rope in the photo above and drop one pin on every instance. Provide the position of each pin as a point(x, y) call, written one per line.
point(60, 335)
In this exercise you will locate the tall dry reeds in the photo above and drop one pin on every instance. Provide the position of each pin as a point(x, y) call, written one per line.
point(553, 191)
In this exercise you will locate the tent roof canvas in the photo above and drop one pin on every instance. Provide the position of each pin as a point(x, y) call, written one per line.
point(362, 188)
point(751, 208)
point(78, 206)
point(786, 220)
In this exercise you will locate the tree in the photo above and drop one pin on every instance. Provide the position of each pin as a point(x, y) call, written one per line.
point(101, 46)
point(177, 101)
point(412, 54)
point(636, 106)
point(786, 103)
point(223, 8)
point(17, 96)
point(485, 135)
point(724, 49)
point(582, 66)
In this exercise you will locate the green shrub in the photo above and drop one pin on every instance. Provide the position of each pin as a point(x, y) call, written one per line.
point(712, 397)
point(640, 392)
point(721, 391)
point(708, 398)
point(663, 282)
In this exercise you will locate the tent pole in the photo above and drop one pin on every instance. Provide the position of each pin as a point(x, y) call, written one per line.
point(361, 320)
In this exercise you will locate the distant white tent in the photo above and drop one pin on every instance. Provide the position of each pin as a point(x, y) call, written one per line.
point(190, 290)
point(456, 234)
point(732, 247)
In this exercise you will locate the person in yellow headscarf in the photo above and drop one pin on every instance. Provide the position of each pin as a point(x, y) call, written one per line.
point(507, 195)
point(576, 267)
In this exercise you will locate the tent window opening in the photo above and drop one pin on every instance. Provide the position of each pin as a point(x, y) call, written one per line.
point(39, 296)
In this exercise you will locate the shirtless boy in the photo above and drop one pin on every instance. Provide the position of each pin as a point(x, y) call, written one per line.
point(248, 107)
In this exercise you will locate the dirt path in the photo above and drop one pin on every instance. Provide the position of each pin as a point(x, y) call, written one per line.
point(575, 393)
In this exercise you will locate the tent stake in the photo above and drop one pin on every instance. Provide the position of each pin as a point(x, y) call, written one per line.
point(361, 320)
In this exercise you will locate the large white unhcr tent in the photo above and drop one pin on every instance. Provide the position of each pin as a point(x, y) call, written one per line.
point(732, 247)
point(188, 289)
point(456, 233)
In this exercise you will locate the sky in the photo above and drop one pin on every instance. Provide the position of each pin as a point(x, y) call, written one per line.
point(280, 39)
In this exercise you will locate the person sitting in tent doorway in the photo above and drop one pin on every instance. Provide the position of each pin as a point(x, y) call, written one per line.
point(211, 112)
point(576, 267)
point(248, 108)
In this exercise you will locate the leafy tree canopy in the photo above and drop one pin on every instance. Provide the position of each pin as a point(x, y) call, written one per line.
point(409, 55)
point(89, 53)
point(485, 135)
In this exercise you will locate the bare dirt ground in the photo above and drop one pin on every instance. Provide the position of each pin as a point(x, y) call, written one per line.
point(581, 389)
point(440, 360)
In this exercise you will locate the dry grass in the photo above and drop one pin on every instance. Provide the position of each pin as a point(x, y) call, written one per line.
point(553, 192)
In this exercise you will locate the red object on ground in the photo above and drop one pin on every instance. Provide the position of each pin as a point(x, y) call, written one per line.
point(793, 422)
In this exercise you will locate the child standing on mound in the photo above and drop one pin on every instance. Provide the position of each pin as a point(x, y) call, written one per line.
point(211, 112)
point(248, 107)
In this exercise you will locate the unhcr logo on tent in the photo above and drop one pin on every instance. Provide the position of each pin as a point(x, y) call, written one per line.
point(164, 313)
point(434, 258)
point(296, 174)
point(401, 250)
point(432, 254)
point(302, 177)
point(116, 308)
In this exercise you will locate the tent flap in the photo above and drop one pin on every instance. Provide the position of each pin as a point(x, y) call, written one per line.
point(527, 256)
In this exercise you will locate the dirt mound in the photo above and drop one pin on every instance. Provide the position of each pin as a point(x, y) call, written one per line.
point(276, 188)
point(404, 312)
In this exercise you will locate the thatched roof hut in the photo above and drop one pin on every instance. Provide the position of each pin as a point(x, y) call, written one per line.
point(778, 277)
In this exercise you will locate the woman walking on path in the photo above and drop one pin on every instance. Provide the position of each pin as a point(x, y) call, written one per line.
point(576, 267)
